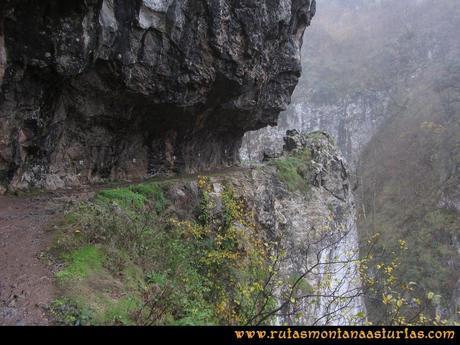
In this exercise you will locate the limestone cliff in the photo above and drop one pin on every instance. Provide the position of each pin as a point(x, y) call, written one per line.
point(118, 89)
point(352, 121)
point(315, 223)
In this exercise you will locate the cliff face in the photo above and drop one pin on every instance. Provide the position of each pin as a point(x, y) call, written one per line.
point(389, 97)
point(319, 232)
point(315, 225)
point(116, 89)
point(352, 122)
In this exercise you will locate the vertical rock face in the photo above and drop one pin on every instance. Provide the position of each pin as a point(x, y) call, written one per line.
point(317, 228)
point(352, 123)
point(313, 223)
point(115, 89)
point(2, 52)
point(321, 237)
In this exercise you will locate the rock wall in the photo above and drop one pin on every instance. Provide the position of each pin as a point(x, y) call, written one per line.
point(351, 122)
point(2, 52)
point(118, 89)
point(316, 227)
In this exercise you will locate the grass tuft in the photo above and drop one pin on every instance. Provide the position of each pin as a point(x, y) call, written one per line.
point(294, 169)
point(81, 262)
point(123, 197)
point(153, 192)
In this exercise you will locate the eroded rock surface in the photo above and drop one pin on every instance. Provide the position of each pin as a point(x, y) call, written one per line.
point(116, 89)
point(315, 225)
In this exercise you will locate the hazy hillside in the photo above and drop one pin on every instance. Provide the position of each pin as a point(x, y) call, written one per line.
point(408, 174)
point(383, 78)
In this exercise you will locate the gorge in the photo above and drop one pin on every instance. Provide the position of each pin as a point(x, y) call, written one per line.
point(385, 86)
point(168, 162)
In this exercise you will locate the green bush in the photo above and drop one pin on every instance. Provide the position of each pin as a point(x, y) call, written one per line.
point(151, 191)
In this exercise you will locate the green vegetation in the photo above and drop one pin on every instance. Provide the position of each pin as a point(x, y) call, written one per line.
point(294, 170)
point(303, 287)
point(398, 302)
point(151, 191)
point(81, 262)
point(128, 259)
point(134, 196)
point(123, 197)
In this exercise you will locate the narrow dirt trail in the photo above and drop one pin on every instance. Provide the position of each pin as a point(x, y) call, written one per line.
point(26, 285)
point(26, 280)
point(26, 232)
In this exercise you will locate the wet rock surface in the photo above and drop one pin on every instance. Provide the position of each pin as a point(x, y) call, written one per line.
point(115, 89)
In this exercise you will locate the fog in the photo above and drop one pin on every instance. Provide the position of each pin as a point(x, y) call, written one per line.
point(383, 79)
point(356, 45)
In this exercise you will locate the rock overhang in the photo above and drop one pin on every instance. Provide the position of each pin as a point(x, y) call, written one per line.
point(170, 84)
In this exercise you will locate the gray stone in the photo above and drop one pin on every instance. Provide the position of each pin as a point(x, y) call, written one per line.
point(173, 84)
point(314, 224)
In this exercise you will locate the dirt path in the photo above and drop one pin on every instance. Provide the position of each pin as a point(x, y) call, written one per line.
point(26, 285)
point(26, 280)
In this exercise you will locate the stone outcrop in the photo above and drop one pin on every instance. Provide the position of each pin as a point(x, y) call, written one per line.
point(118, 89)
point(316, 226)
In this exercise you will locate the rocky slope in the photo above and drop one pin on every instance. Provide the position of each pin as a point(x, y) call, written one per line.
point(299, 206)
point(114, 89)
point(317, 225)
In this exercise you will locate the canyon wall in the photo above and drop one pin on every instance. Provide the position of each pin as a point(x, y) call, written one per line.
point(352, 122)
